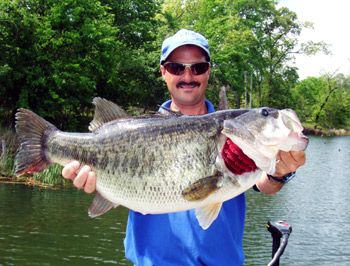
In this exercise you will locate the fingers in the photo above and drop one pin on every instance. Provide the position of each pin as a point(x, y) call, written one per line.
point(90, 185)
point(70, 170)
point(299, 157)
point(83, 177)
point(289, 162)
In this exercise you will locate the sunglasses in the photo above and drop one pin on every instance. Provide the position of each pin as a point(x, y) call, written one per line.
point(178, 69)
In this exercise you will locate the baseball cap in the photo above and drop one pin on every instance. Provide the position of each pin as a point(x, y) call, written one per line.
point(180, 38)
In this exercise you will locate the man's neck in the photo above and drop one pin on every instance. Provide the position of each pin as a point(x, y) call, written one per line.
point(197, 109)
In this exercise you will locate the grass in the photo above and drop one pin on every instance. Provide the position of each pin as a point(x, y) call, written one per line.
point(50, 177)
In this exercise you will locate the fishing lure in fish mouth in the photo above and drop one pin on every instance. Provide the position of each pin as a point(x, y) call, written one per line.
point(164, 163)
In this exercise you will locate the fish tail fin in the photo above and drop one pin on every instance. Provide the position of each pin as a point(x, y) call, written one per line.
point(32, 132)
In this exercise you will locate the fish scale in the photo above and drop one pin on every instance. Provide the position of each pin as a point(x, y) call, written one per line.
point(161, 163)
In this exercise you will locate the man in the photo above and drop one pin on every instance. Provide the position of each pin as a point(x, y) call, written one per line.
point(177, 238)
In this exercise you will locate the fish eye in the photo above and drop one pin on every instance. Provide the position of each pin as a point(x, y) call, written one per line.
point(264, 112)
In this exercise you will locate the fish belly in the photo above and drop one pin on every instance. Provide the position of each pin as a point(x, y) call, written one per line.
point(152, 181)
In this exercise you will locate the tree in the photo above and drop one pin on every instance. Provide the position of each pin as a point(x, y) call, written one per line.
point(137, 81)
point(62, 49)
point(324, 101)
point(16, 41)
point(57, 55)
point(333, 111)
point(307, 96)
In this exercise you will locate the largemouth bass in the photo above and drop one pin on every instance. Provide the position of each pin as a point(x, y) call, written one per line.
point(161, 163)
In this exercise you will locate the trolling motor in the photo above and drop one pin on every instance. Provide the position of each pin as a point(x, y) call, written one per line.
point(280, 232)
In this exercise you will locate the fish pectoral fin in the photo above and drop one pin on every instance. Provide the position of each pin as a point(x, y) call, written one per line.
point(105, 111)
point(203, 187)
point(207, 215)
point(100, 205)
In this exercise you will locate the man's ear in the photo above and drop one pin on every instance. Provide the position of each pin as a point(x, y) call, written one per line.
point(162, 71)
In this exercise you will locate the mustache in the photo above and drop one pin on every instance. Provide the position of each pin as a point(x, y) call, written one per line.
point(192, 83)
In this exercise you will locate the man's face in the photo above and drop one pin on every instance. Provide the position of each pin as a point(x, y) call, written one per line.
point(186, 89)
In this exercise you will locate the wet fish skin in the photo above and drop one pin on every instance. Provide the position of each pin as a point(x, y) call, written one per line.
point(146, 164)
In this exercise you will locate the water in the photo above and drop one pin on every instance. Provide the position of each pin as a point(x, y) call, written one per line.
point(51, 227)
point(315, 203)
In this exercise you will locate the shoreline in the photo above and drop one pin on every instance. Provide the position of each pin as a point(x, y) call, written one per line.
point(29, 181)
point(326, 132)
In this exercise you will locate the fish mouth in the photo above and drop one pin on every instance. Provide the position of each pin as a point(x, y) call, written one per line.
point(187, 85)
point(300, 142)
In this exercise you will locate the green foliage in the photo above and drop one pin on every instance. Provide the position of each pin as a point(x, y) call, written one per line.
point(52, 176)
point(336, 113)
point(335, 103)
point(307, 95)
point(324, 101)
point(57, 55)
point(136, 82)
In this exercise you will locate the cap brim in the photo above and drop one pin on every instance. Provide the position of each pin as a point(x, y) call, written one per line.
point(170, 50)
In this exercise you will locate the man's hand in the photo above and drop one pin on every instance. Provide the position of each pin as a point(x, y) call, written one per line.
point(82, 177)
point(288, 162)
point(235, 160)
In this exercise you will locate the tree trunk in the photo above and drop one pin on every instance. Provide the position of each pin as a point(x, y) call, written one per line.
point(223, 103)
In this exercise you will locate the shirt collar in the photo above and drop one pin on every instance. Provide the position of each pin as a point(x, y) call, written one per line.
point(210, 106)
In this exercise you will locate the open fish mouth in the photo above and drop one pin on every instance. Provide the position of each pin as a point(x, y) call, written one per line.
point(263, 134)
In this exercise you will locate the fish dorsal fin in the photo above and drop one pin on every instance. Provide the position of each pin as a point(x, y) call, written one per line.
point(105, 111)
point(208, 214)
point(100, 205)
point(167, 111)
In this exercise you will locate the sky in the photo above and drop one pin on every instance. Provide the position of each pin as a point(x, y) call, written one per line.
point(331, 19)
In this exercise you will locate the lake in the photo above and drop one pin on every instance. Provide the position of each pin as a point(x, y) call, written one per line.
point(51, 227)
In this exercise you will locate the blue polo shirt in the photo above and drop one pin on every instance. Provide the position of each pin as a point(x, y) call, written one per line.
point(176, 239)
